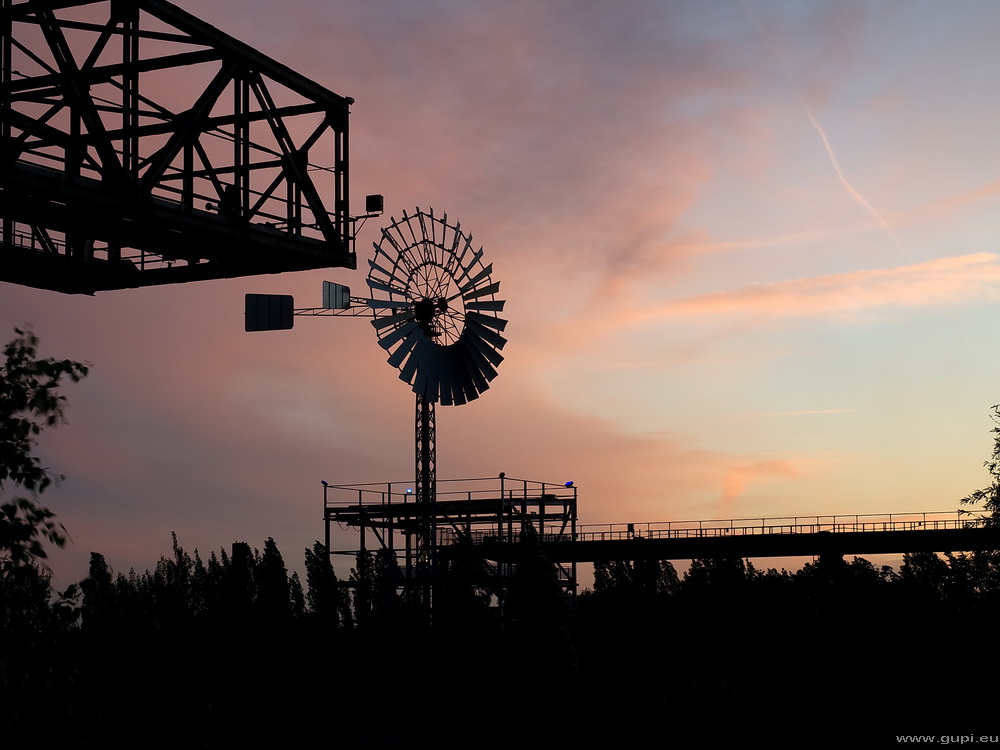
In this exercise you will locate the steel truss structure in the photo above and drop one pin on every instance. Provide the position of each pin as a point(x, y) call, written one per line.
point(494, 515)
point(142, 146)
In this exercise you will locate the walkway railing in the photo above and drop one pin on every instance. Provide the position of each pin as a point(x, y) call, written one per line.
point(483, 488)
point(781, 525)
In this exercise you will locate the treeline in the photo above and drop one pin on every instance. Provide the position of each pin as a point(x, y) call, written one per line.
point(246, 586)
point(202, 651)
point(962, 580)
point(208, 651)
point(198, 652)
point(830, 655)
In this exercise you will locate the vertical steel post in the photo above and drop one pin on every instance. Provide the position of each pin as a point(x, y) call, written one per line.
point(6, 76)
point(326, 521)
point(426, 491)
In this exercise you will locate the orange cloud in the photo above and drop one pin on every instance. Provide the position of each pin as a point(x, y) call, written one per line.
point(944, 281)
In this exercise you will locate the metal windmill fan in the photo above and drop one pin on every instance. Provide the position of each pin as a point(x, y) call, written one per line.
point(435, 308)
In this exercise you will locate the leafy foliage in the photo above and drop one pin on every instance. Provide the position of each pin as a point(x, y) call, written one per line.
point(988, 498)
point(29, 402)
point(24, 528)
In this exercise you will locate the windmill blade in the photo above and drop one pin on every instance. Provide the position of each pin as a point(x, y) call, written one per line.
point(394, 319)
point(394, 337)
point(480, 363)
point(474, 367)
point(489, 289)
point(467, 267)
point(396, 261)
point(468, 378)
point(408, 220)
point(428, 380)
point(477, 278)
point(464, 387)
point(490, 321)
point(433, 221)
point(423, 225)
point(383, 287)
point(456, 237)
point(376, 267)
point(459, 258)
point(487, 334)
point(491, 354)
point(408, 369)
point(496, 305)
point(387, 237)
point(409, 345)
point(446, 389)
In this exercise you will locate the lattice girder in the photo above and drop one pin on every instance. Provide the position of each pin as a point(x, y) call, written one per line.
point(142, 146)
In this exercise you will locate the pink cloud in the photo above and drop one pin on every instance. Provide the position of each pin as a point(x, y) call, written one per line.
point(803, 412)
point(951, 204)
point(739, 477)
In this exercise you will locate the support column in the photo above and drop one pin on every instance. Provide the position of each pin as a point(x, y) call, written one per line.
point(426, 491)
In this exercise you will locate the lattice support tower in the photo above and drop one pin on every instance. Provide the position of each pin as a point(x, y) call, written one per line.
point(426, 481)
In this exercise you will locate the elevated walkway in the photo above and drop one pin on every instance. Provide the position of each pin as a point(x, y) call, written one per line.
point(869, 534)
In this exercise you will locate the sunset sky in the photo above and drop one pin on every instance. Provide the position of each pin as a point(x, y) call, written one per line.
point(750, 252)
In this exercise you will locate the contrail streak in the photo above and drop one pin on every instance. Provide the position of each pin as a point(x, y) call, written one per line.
point(851, 190)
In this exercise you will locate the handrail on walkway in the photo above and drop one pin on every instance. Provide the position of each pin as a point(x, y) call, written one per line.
point(936, 520)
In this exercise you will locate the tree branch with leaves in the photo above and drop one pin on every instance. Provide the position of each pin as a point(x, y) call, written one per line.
point(30, 401)
point(988, 498)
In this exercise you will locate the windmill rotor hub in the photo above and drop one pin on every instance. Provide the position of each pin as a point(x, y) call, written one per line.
point(425, 311)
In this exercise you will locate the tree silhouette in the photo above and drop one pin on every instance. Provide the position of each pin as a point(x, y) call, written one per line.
point(327, 600)
point(273, 596)
point(29, 402)
point(33, 623)
point(977, 574)
point(98, 593)
point(25, 600)
point(630, 579)
point(720, 575)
